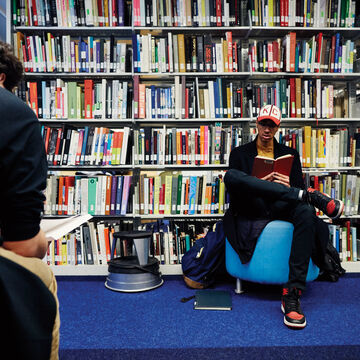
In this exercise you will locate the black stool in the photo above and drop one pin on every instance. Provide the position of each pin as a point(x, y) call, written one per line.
point(134, 273)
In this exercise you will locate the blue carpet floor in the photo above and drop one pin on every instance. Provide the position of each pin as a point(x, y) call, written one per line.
point(97, 323)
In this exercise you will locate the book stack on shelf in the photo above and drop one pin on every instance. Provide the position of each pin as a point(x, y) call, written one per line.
point(307, 98)
point(190, 13)
point(204, 145)
point(88, 146)
point(316, 14)
point(59, 99)
point(147, 89)
point(49, 53)
point(180, 194)
point(192, 99)
point(95, 195)
point(344, 239)
point(184, 53)
point(79, 13)
point(322, 148)
point(89, 244)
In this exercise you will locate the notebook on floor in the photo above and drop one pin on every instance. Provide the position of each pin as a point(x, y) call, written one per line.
point(212, 300)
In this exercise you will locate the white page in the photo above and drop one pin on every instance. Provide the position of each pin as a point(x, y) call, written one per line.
point(57, 228)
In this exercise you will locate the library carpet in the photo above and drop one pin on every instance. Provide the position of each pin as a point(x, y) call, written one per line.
point(97, 323)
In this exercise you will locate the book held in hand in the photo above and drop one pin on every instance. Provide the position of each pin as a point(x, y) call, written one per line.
point(56, 228)
point(212, 300)
point(264, 165)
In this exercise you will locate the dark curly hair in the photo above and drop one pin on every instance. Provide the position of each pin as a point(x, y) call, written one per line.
point(10, 65)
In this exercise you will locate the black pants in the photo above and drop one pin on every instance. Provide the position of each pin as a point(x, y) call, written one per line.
point(311, 234)
point(276, 201)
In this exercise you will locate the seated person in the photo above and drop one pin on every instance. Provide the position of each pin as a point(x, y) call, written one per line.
point(254, 202)
point(23, 179)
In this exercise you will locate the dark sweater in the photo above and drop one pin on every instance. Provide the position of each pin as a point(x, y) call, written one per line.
point(23, 169)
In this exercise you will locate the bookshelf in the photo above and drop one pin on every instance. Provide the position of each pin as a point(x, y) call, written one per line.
point(240, 79)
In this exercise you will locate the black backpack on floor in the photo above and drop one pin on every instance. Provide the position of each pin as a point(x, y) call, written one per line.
point(331, 269)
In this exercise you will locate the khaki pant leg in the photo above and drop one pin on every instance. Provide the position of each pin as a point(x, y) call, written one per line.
point(43, 271)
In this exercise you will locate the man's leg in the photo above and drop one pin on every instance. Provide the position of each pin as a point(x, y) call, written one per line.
point(304, 219)
point(236, 180)
point(43, 271)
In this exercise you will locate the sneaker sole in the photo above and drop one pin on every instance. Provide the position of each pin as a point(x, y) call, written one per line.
point(292, 325)
point(341, 209)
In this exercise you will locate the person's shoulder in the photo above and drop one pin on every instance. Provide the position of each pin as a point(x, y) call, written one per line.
point(13, 108)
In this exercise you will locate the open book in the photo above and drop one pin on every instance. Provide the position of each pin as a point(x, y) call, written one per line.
point(264, 165)
point(56, 228)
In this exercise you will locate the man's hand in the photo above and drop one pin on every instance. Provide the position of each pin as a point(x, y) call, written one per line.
point(281, 179)
point(34, 247)
point(268, 177)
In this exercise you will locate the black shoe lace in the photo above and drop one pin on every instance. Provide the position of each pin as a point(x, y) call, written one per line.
point(293, 305)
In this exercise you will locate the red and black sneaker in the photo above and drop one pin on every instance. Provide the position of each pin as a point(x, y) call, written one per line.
point(330, 207)
point(290, 306)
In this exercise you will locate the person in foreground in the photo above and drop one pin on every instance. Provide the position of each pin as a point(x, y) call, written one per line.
point(254, 202)
point(23, 178)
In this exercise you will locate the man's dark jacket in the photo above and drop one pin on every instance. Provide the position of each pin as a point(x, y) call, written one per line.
point(248, 214)
point(23, 169)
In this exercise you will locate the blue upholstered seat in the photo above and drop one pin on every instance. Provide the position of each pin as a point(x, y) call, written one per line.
point(270, 261)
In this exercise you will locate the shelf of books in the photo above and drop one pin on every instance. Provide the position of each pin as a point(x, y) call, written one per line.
point(140, 103)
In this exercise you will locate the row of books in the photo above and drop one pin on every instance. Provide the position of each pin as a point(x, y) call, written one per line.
point(189, 53)
point(305, 13)
point(302, 98)
point(193, 99)
point(59, 99)
point(86, 146)
point(207, 144)
point(344, 239)
point(90, 244)
point(318, 54)
point(110, 99)
point(197, 53)
point(49, 53)
point(328, 147)
point(70, 13)
point(190, 13)
point(172, 238)
point(343, 186)
point(320, 147)
point(180, 53)
point(95, 195)
point(310, 13)
point(168, 246)
point(301, 13)
point(180, 193)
